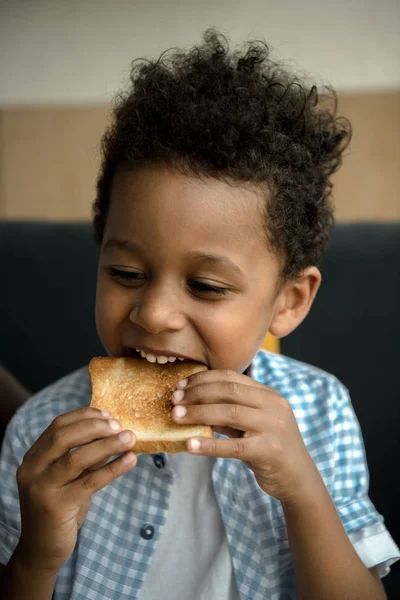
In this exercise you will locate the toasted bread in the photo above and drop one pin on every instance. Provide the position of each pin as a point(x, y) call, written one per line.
point(138, 395)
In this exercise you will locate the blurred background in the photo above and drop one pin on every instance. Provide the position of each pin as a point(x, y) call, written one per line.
point(61, 63)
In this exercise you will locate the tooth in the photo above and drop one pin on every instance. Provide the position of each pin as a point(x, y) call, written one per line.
point(162, 360)
point(142, 354)
point(172, 359)
point(179, 358)
point(151, 358)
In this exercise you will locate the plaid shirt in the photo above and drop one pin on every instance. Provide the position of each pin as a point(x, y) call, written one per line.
point(118, 537)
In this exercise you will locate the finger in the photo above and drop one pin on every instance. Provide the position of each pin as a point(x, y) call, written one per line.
point(67, 419)
point(59, 440)
point(242, 448)
point(73, 464)
point(228, 415)
point(215, 376)
point(96, 480)
point(229, 392)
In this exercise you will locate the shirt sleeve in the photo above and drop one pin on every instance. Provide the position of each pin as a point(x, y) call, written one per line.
point(349, 489)
point(375, 547)
point(12, 453)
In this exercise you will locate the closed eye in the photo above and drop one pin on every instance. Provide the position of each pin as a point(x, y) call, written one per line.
point(127, 276)
point(199, 288)
point(207, 288)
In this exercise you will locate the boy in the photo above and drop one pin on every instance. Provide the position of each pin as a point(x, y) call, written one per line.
point(212, 212)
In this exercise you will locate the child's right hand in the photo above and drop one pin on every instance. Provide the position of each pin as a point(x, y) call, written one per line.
point(56, 484)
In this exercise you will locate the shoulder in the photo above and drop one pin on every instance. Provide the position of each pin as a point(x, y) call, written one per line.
point(316, 397)
point(288, 374)
point(326, 419)
point(68, 393)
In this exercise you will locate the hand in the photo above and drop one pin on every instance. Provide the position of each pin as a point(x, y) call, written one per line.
point(57, 478)
point(261, 426)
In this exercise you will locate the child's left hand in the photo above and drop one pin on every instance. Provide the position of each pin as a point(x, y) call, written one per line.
point(261, 426)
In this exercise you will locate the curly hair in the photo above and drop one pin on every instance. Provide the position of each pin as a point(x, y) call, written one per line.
point(239, 117)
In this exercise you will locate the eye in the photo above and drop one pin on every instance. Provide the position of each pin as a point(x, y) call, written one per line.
point(128, 278)
point(200, 287)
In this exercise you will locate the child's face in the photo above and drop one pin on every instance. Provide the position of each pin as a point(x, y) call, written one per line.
point(185, 269)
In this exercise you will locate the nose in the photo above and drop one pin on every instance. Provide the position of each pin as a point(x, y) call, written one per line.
point(157, 310)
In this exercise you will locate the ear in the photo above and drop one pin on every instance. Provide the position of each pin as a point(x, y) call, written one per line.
point(294, 302)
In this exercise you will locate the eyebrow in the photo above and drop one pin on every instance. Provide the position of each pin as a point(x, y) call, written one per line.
point(214, 260)
point(120, 244)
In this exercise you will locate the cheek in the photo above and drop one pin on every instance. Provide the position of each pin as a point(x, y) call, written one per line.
point(233, 335)
point(111, 310)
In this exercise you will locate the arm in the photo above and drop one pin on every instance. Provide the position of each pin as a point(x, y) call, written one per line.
point(325, 562)
point(18, 580)
point(55, 487)
point(264, 433)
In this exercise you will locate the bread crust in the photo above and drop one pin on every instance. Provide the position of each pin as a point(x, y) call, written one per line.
point(138, 395)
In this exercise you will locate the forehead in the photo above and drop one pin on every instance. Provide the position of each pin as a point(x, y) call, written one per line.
point(157, 201)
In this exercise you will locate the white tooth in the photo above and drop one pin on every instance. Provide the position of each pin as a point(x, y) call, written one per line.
point(151, 358)
point(142, 354)
point(180, 358)
point(162, 360)
point(172, 359)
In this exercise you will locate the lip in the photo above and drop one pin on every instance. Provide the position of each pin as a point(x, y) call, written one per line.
point(168, 353)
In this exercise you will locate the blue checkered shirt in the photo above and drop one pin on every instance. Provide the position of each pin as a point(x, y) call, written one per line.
point(113, 550)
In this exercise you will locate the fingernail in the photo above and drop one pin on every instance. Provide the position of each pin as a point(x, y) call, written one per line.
point(106, 413)
point(180, 411)
point(125, 437)
point(182, 384)
point(115, 426)
point(194, 445)
point(177, 396)
point(128, 458)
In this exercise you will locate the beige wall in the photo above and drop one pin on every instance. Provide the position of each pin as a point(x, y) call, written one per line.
point(367, 187)
point(49, 159)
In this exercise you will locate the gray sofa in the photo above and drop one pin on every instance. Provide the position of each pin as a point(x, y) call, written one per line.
point(48, 274)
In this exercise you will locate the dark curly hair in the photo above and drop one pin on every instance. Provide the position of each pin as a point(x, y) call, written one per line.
point(238, 117)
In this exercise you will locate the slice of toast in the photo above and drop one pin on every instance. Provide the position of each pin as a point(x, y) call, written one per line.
point(138, 395)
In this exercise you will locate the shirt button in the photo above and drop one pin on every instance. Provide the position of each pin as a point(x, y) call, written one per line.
point(147, 532)
point(159, 461)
